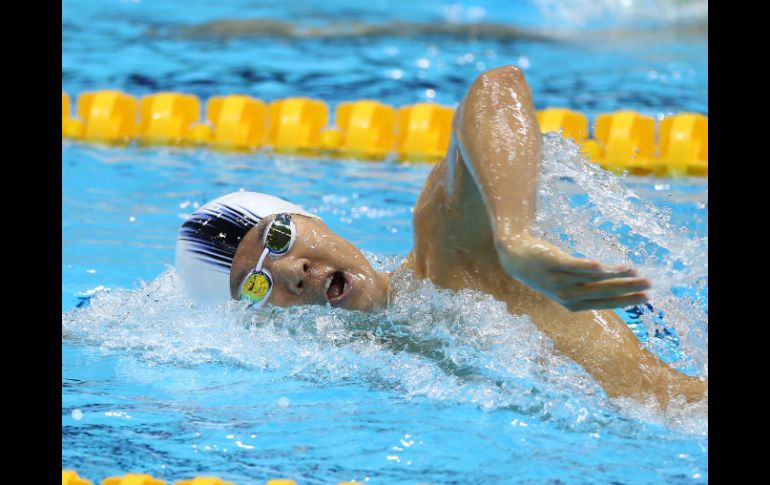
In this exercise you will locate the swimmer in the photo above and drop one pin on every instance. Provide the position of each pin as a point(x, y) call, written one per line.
point(471, 230)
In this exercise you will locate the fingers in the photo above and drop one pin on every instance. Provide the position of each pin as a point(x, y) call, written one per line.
point(595, 268)
point(576, 283)
point(560, 279)
point(607, 303)
point(575, 271)
point(603, 289)
point(614, 293)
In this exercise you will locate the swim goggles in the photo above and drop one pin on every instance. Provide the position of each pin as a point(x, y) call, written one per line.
point(278, 240)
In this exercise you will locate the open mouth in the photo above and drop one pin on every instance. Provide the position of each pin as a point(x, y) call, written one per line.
point(338, 286)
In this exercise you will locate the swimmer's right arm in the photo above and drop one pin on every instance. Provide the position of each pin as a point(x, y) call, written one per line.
point(499, 140)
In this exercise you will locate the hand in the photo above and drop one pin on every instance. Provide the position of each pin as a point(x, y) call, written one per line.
point(577, 284)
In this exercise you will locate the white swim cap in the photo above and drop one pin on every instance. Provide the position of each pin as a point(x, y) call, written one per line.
point(208, 239)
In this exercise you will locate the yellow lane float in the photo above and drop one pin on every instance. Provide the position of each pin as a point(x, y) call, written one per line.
point(684, 145)
point(367, 128)
point(623, 141)
point(295, 124)
point(70, 127)
point(133, 479)
point(70, 477)
point(239, 121)
point(571, 124)
point(627, 142)
point(167, 118)
point(423, 131)
point(107, 116)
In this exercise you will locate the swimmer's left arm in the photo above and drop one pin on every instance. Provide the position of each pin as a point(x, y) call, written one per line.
point(499, 140)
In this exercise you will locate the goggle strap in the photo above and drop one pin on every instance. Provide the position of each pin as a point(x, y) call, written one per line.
point(262, 258)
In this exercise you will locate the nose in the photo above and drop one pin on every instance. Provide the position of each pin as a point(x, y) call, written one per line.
point(297, 273)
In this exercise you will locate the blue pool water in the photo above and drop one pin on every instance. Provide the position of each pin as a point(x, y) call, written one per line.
point(439, 388)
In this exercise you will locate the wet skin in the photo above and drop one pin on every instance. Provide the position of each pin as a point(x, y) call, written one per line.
point(471, 230)
point(300, 276)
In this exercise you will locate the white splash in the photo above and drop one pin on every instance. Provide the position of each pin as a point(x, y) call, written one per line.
point(589, 211)
point(431, 342)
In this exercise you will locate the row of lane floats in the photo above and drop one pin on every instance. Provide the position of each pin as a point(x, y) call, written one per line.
point(623, 141)
point(70, 477)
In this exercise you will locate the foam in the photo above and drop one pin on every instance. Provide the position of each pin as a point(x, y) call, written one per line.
point(460, 348)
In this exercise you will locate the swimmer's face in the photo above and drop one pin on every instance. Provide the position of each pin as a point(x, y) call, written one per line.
point(320, 268)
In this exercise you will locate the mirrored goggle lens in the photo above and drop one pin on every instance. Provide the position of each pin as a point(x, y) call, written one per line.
point(278, 236)
point(257, 287)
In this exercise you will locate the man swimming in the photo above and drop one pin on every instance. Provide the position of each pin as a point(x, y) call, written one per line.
point(471, 230)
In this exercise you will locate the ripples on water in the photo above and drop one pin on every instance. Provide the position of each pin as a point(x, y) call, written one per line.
point(462, 348)
point(590, 212)
point(143, 48)
point(162, 386)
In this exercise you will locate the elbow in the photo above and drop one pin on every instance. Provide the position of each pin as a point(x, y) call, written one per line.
point(502, 74)
point(504, 84)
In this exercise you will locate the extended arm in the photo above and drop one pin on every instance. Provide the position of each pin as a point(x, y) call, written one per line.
point(472, 230)
point(499, 141)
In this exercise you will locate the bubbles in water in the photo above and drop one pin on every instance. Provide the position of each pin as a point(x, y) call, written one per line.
point(455, 347)
point(588, 211)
